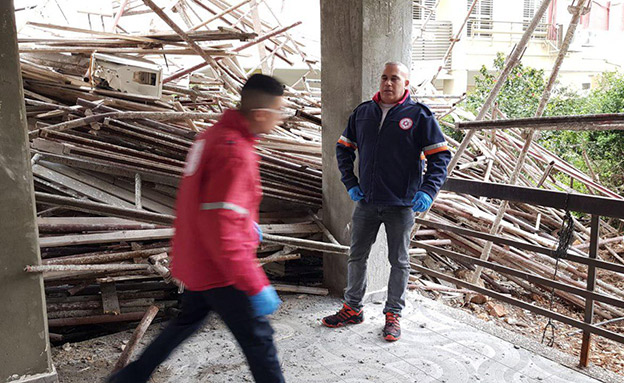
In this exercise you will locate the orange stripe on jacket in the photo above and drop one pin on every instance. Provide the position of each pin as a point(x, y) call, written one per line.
point(347, 144)
point(436, 150)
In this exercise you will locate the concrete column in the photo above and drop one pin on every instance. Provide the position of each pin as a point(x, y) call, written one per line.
point(357, 38)
point(25, 348)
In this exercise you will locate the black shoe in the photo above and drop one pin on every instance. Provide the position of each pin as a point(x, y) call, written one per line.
point(345, 316)
point(126, 375)
point(114, 378)
point(392, 329)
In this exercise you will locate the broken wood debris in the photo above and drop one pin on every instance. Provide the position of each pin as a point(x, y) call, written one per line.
point(106, 160)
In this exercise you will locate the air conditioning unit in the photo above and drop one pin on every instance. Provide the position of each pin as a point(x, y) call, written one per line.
point(132, 77)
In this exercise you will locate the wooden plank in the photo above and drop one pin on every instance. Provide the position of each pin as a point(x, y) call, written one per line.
point(101, 208)
point(125, 278)
point(96, 319)
point(110, 301)
point(300, 289)
point(291, 228)
point(70, 183)
point(151, 199)
point(139, 39)
point(257, 26)
point(85, 221)
point(110, 188)
point(104, 257)
point(217, 16)
point(116, 236)
point(138, 333)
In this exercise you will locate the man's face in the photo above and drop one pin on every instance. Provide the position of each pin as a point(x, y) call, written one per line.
point(393, 84)
point(268, 118)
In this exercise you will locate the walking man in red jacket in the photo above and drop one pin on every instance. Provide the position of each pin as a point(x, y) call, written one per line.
point(216, 236)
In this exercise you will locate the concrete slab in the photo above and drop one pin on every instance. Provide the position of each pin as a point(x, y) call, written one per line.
point(435, 347)
point(439, 344)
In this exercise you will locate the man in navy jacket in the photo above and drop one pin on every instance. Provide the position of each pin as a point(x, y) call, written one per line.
point(392, 135)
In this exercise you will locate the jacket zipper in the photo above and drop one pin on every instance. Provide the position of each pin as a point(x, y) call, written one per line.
point(379, 129)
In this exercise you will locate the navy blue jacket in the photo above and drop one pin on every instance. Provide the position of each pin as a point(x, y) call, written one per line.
point(391, 159)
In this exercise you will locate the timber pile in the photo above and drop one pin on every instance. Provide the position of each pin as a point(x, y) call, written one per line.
point(106, 165)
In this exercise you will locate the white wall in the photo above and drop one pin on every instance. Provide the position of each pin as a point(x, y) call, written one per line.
point(581, 65)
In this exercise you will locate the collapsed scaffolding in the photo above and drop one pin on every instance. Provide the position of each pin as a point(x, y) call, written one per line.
point(107, 156)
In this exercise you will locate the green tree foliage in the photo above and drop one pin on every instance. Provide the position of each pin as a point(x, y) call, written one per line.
point(605, 149)
point(520, 96)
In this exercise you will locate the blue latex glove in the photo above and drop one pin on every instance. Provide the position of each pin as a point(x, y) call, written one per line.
point(259, 231)
point(356, 193)
point(265, 302)
point(421, 202)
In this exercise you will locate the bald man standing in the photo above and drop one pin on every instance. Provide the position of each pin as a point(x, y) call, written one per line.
point(392, 135)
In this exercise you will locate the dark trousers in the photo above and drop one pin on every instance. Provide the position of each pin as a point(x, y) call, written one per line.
point(254, 335)
point(367, 218)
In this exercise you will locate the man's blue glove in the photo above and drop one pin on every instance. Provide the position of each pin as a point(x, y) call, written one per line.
point(356, 193)
point(421, 202)
point(265, 302)
point(259, 231)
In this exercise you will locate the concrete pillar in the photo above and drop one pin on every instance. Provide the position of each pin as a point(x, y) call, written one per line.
point(357, 38)
point(25, 348)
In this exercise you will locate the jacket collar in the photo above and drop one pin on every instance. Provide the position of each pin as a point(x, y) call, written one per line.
point(406, 97)
point(234, 119)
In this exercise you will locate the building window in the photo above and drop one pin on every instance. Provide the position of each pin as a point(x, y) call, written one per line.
point(480, 20)
point(530, 8)
point(422, 8)
point(429, 50)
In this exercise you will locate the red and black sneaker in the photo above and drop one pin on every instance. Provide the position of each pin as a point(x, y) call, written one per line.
point(345, 316)
point(392, 329)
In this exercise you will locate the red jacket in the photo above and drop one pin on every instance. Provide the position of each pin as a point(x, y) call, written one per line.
point(215, 241)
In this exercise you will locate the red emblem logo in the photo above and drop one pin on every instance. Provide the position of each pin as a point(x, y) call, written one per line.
point(406, 123)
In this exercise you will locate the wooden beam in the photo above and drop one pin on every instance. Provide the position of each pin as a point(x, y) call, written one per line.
point(110, 301)
point(593, 122)
point(138, 333)
point(300, 289)
point(115, 236)
point(104, 209)
point(218, 15)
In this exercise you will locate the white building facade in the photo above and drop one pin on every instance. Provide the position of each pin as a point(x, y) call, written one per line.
point(497, 25)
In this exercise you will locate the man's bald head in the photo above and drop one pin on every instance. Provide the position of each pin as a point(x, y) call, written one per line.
point(402, 67)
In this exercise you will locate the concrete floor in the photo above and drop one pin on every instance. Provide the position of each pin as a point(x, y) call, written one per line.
point(439, 344)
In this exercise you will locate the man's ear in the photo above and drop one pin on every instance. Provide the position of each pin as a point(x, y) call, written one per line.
point(406, 83)
point(259, 115)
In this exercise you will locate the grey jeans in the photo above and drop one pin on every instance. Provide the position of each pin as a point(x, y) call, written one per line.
point(367, 218)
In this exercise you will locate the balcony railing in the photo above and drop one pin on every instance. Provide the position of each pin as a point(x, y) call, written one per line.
point(509, 31)
point(593, 205)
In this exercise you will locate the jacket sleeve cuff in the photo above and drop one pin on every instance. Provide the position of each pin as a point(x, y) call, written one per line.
point(351, 183)
point(431, 191)
point(253, 284)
